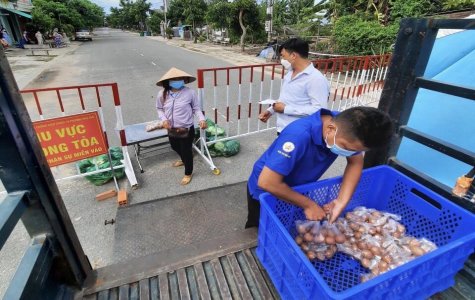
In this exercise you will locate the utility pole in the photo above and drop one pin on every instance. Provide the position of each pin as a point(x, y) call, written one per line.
point(165, 6)
point(268, 26)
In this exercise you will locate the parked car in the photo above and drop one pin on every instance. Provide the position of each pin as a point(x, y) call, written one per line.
point(83, 34)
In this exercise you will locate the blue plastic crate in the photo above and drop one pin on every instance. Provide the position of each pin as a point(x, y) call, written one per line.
point(424, 213)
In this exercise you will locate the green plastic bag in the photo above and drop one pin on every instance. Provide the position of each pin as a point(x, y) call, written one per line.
point(214, 129)
point(227, 148)
point(231, 148)
point(102, 161)
point(219, 147)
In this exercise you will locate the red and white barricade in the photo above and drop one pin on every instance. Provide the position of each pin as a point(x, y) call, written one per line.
point(230, 96)
point(80, 99)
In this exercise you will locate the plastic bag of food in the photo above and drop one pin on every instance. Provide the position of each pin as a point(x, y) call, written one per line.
point(366, 277)
point(427, 245)
point(154, 125)
point(102, 162)
point(318, 240)
point(344, 227)
point(231, 148)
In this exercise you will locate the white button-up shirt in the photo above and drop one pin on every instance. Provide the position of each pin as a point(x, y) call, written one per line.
point(302, 95)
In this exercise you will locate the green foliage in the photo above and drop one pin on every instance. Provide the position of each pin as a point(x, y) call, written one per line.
point(249, 13)
point(355, 36)
point(66, 16)
point(458, 4)
point(219, 14)
point(169, 32)
point(370, 26)
point(175, 12)
point(323, 46)
point(409, 8)
point(129, 14)
point(195, 12)
point(191, 12)
point(154, 21)
point(298, 10)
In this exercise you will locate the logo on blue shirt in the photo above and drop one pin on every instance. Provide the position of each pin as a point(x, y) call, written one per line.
point(288, 147)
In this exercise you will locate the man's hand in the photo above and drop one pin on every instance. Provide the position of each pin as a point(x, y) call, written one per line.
point(279, 107)
point(166, 124)
point(334, 209)
point(265, 116)
point(203, 124)
point(313, 212)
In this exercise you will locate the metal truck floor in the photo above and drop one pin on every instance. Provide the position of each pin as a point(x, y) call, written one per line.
point(222, 268)
point(174, 222)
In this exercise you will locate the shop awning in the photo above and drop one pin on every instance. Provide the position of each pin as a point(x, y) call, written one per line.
point(18, 12)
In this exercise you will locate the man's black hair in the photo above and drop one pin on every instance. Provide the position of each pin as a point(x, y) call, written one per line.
point(369, 125)
point(296, 45)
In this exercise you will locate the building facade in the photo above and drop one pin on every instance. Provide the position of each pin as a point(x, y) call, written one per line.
point(13, 17)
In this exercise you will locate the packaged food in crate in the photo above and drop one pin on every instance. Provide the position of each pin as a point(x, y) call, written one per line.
point(431, 223)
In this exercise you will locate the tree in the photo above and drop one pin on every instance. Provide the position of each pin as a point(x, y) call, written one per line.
point(155, 19)
point(297, 10)
point(130, 14)
point(175, 12)
point(246, 17)
point(219, 14)
point(195, 12)
point(66, 16)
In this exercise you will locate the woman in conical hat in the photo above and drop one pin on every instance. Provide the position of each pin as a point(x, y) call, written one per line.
point(176, 106)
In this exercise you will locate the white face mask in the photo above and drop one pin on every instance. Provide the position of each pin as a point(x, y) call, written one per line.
point(337, 149)
point(285, 63)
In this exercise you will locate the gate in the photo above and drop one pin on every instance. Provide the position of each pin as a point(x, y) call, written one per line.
point(82, 98)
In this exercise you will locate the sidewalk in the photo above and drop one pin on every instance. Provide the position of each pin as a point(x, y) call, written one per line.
point(231, 54)
point(26, 67)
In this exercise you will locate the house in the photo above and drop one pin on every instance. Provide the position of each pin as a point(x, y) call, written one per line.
point(13, 17)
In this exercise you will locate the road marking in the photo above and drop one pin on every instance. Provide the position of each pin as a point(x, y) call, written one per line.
point(154, 63)
point(141, 54)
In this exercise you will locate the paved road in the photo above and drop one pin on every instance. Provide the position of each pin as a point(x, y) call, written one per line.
point(135, 63)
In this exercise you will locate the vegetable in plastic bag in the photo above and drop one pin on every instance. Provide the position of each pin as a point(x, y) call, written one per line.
point(219, 146)
point(102, 161)
point(226, 148)
point(231, 148)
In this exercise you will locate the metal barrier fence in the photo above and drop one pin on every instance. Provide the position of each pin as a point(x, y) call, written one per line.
point(230, 95)
point(77, 99)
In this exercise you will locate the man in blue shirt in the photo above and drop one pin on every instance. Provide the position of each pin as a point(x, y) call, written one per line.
point(304, 89)
point(307, 148)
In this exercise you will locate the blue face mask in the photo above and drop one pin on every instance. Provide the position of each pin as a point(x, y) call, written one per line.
point(338, 150)
point(177, 84)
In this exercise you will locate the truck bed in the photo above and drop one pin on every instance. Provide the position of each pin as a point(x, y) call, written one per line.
point(204, 265)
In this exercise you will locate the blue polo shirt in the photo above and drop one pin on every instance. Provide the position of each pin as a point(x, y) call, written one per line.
point(299, 153)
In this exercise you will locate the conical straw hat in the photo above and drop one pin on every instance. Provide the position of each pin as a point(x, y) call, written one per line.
point(175, 73)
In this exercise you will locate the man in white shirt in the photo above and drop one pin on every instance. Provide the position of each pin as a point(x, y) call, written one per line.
point(304, 90)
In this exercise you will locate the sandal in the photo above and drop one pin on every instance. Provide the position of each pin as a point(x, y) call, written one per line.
point(178, 163)
point(186, 179)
